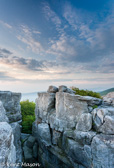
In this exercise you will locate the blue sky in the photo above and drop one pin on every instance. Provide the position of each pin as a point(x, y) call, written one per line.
point(56, 42)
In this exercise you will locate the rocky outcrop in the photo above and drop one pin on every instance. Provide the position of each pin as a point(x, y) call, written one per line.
point(7, 148)
point(10, 130)
point(71, 133)
point(30, 149)
point(11, 103)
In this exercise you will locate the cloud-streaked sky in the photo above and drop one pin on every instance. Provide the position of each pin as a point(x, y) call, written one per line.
point(55, 42)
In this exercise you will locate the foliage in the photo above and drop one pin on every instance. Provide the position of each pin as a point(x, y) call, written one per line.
point(86, 92)
point(28, 115)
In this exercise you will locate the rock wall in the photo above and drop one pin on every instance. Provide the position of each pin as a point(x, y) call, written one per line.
point(71, 132)
point(10, 130)
point(11, 103)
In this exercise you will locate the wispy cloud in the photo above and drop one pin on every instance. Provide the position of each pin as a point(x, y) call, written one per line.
point(5, 24)
point(27, 37)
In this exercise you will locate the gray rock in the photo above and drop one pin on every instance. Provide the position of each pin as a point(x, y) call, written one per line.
point(63, 88)
point(79, 154)
point(24, 136)
point(56, 137)
point(69, 108)
point(91, 101)
point(28, 157)
point(35, 150)
point(103, 151)
point(52, 89)
point(98, 117)
point(3, 117)
point(45, 103)
point(44, 134)
point(17, 136)
point(11, 103)
point(84, 137)
point(108, 125)
point(7, 148)
point(84, 123)
point(30, 141)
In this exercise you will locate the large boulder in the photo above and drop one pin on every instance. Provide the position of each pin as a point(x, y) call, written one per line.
point(44, 134)
point(52, 89)
point(84, 123)
point(103, 151)
point(69, 108)
point(63, 88)
point(7, 148)
point(17, 141)
point(3, 117)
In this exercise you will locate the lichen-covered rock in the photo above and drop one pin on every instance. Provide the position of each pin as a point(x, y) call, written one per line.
point(103, 151)
point(52, 89)
point(7, 148)
point(84, 123)
point(3, 117)
point(44, 134)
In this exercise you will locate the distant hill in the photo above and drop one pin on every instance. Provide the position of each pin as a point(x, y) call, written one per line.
point(30, 96)
point(105, 92)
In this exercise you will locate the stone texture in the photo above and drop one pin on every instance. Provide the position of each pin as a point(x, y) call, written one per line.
point(28, 157)
point(11, 103)
point(69, 108)
point(63, 88)
point(79, 154)
point(84, 137)
point(45, 103)
point(17, 137)
point(30, 142)
point(7, 148)
point(98, 117)
point(35, 150)
point(103, 151)
point(3, 117)
point(68, 131)
point(56, 137)
point(44, 134)
point(108, 125)
point(84, 123)
point(52, 89)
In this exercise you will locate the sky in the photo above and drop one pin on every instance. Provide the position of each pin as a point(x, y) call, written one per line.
point(56, 42)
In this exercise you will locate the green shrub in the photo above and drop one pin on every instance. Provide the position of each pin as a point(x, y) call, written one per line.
point(86, 92)
point(28, 116)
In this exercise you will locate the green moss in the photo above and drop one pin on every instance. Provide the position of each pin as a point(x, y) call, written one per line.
point(95, 106)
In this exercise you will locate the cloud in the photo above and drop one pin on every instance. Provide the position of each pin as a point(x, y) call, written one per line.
point(27, 37)
point(4, 76)
point(5, 24)
point(87, 42)
point(4, 52)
